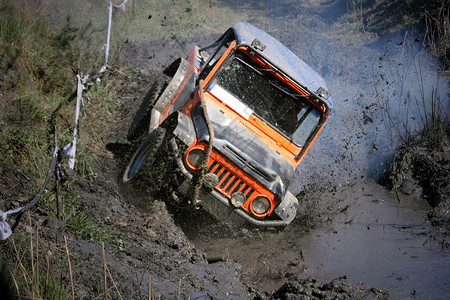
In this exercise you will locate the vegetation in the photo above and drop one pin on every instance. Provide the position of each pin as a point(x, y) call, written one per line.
point(437, 21)
point(40, 55)
point(38, 80)
point(38, 67)
point(420, 121)
point(431, 16)
point(422, 159)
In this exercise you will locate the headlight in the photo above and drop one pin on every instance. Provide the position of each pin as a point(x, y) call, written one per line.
point(196, 157)
point(260, 205)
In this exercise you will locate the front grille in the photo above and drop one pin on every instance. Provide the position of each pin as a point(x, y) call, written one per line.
point(229, 182)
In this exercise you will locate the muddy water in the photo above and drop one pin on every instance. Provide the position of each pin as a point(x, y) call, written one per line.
point(383, 242)
point(363, 231)
point(373, 237)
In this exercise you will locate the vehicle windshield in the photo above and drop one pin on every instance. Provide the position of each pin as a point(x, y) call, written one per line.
point(262, 94)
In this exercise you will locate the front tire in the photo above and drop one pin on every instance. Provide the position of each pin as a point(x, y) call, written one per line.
point(145, 154)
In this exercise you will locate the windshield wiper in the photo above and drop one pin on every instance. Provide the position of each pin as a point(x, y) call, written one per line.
point(293, 95)
point(252, 67)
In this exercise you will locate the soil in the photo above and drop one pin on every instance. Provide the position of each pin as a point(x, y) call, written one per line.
point(152, 243)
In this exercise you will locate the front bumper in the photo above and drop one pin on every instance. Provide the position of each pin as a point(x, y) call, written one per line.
point(286, 210)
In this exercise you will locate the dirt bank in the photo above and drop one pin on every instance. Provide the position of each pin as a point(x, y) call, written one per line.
point(140, 244)
point(421, 169)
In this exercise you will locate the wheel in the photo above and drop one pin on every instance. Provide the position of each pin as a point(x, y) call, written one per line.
point(146, 153)
point(141, 121)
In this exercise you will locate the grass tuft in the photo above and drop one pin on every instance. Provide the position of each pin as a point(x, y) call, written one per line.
point(437, 20)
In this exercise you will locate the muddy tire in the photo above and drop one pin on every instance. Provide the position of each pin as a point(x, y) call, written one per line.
point(145, 155)
point(141, 121)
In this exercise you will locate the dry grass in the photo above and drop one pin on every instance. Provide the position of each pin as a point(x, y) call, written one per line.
point(30, 263)
point(437, 23)
point(30, 260)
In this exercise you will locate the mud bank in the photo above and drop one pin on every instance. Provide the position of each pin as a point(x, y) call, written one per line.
point(421, 169)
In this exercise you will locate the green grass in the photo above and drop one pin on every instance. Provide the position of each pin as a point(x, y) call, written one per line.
point(85, 227)
point(38, 63)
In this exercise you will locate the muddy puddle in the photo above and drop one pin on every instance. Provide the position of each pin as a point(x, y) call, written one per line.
point(371, 237)
point(383, 242)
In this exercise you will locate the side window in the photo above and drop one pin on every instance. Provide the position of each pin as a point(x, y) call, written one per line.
point(307, 120)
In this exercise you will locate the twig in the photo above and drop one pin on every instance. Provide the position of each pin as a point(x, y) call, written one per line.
point(179, 289)
point(114, 283)
point(149, 287)
point(24, 297)
point(47, 258)
point(70, 268)
point(104, 270)
point(32, 256)
point(98, 296)
point(397, 195)
point(15, 283)
point(37, 262)
point(58, 201)
point(19, 260)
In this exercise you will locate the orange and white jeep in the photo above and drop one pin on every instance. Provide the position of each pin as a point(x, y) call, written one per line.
point(238, 122)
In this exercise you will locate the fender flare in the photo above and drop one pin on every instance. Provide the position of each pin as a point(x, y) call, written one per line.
point(173, 85)
point(173, 67)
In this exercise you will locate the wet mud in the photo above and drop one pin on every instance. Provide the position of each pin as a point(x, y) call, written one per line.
point(361, 233)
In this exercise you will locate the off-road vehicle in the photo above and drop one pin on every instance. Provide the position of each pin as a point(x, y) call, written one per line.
point(237, 121)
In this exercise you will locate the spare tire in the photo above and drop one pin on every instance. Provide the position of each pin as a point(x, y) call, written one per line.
point(141, 121)
point(145, 154)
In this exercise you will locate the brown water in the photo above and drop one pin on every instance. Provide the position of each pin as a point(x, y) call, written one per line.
point(382, 242)
point(365, 234)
